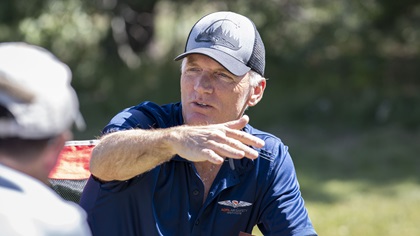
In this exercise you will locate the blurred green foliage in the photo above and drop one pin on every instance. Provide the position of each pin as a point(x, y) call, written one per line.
point(343, 89)
point(329, 63)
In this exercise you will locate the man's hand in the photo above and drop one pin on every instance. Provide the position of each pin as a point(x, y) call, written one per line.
point(124, 154)
point(215, 142)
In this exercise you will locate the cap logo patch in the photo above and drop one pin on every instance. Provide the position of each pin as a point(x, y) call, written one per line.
point(219, 33)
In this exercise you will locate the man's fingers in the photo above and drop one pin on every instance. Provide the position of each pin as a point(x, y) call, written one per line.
point(213, 157)
point(219, 141)
point(245, 138)
point(238, 124)
point(233, 148)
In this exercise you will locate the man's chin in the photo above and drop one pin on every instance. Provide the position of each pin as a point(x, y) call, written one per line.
point(199, 122)
point(199, 119)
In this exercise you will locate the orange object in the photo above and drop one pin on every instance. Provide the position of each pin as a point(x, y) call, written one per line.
point(73, 161)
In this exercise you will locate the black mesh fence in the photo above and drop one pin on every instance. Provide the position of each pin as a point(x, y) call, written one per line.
point(68, 189)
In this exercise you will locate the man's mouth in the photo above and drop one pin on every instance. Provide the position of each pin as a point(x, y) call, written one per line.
point(200, 104)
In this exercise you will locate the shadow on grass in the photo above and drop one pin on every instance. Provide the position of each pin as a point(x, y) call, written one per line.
point(374, 158)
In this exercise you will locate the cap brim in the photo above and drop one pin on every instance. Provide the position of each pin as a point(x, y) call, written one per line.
point(230, 63)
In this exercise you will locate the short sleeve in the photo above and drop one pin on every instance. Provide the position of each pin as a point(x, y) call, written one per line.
point(128, 119)
point(284, 212)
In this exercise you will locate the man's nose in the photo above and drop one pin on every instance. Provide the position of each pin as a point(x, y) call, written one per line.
point(203, 83)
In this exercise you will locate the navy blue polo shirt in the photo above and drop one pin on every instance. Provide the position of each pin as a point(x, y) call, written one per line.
point(168, 200)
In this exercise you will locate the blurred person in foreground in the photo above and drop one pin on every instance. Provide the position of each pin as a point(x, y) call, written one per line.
point(197, 167)
point(37, 109)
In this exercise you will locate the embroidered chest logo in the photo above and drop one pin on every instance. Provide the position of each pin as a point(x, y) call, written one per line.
point(219, 33)
point(235, 207)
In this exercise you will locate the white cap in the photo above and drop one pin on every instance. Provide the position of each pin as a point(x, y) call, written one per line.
point(35, 88)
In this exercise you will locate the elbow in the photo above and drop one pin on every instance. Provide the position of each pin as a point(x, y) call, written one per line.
point(96, 166)
point(94, 170)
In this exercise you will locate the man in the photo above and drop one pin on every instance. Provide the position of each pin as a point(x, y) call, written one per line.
point(197, 167)
point(37, 108)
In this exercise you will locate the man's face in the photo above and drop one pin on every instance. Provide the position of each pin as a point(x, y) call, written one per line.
point(210, 94)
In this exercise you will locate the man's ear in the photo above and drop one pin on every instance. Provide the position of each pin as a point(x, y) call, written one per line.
point(257, 93)
point(58, 142)
point(52, 151)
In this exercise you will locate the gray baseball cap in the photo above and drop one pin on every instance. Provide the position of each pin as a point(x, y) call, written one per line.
point(229, 38)
point(36, 96)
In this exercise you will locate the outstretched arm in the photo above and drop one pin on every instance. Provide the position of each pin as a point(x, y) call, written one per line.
point(124, 154)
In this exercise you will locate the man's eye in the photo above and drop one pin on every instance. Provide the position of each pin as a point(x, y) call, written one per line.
point(224, 76)
point(193, 69)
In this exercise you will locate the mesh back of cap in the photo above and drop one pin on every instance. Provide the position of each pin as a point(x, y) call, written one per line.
point(257, 60)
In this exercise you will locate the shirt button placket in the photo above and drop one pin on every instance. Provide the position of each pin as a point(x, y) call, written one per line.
point(196, 231)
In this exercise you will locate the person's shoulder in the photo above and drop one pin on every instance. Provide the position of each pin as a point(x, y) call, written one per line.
point(274, 146)
point(52, 211)
point(153, 107)
point(39, 202)
point(45, 215)
point(165, 115)
point(145, 115)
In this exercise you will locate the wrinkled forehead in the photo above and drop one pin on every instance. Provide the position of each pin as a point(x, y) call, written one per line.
point(201, 59)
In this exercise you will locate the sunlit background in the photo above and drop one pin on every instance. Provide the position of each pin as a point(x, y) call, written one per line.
point(343, 90)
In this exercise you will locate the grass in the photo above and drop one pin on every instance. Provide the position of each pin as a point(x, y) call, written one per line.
point(364, 182)
point(392, 210)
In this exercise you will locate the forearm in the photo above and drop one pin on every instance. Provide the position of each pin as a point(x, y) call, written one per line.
point(124, 154)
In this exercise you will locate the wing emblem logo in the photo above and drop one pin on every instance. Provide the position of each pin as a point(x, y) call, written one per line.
point(235, 203)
